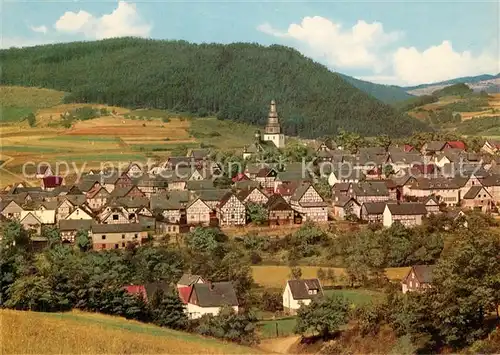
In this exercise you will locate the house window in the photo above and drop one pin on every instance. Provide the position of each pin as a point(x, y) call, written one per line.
point(136, 236)
point(116, 246)
point(123, 236)
point(115, 217)
point(123, 245)
point(232, 216)
point(103, 237)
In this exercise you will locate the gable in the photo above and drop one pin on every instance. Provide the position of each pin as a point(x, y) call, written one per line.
point(198, 204)
point(311, 195)
point(79, 213)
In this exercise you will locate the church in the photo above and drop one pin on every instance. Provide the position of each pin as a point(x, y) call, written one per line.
point(273, 132)
point(272, 139)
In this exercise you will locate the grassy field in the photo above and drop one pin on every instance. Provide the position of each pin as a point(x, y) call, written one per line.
point(76, 332)
point(356, 297)
point(276, 276)
point(123, 136)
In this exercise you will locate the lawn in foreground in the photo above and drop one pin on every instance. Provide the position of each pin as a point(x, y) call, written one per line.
point(77, 332)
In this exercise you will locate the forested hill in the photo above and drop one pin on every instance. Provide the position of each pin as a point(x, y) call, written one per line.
point(235, 81)
point(389, 94)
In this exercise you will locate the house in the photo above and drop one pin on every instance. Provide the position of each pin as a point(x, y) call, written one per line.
point(12, 210)
point(342, 174)
point(231, 211)
point(148, 291)
point(266, 177)
point(478, 198)
point(208, 298)
point(431, 204)
point(80, 212)
point(70, 227)
point(457, 145)
point(127, 191)
point(491, 146)
point(300, 292)
point(492, 184)
point(431, 148)
point(116, 236)
point(30, 222)
point(187, 280)
point(213, 197)
point(346, 207)
point(309, 203)
point(198, 213)
point(419, 278)
point(35, 219)
point(408, 214)
point(49, 183)
point(369, 191)
point(97, 197)
point(64, 208)
point(253, 195)
point(115, 213)
point(448, 190)
point(279, 211)
point(373, 212)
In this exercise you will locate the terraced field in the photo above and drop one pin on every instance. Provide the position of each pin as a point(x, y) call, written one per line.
point(120, 135)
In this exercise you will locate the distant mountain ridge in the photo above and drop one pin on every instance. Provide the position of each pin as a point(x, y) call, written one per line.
point(235, 81)
point(484, 82)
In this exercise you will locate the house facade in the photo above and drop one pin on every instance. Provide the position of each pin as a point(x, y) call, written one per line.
point(300, 292)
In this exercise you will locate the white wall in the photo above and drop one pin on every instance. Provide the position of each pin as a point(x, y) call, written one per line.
point(194, 311)
point(291, 303)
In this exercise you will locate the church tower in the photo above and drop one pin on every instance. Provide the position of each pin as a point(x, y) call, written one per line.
point(272, 132)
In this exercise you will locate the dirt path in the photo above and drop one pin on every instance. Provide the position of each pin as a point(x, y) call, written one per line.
point(279, 345)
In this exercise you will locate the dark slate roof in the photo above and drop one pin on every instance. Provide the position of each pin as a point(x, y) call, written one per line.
point(133, 202)
point(300, 191)
point(246, 184)
point(472, 193)
point(277, 203)
point(435, 146)
point(407, 208)
point(212, 195)
point(341, 201)
point(188, 279)
point(200, 153)
point(200, 185)
point(492, 180)
point(293, 175)
point(215, 294)
point(424, 273)
point(300, 288)
point(370, 188)
point(374, 207)
point(153, 287)
point(75, 224)
point(437, 183)
point(117, 228)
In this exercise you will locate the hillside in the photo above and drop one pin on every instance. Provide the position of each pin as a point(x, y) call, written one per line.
point(485, 82)
point(235, 81)
point(385, 93)
point(77, 332)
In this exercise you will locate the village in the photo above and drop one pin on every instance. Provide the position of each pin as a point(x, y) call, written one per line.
point(373, 186)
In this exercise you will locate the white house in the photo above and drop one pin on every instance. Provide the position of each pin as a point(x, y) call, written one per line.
point(408, 214)
point(208, 298)
point(300, 292)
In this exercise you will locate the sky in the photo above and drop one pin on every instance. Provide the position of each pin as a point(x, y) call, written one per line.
point(391, 42)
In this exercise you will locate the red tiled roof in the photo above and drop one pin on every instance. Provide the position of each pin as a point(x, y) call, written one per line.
point(52, 181)
point(139, 290)
point(457, 144)
point(184, 293)
point(240, 177)
point(408, 148)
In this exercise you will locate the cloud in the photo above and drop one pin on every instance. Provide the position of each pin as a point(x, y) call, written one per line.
point(39, 29)
point(440, 62)
point(123, 21)
point(367, 47)
point(360, 46)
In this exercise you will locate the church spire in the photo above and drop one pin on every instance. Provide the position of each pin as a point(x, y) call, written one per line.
point(273, 125)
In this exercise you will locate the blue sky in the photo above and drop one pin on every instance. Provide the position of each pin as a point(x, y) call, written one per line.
point(397, 42)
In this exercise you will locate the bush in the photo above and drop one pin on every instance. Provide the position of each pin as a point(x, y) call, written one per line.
point(272, 301)
point(255, 258)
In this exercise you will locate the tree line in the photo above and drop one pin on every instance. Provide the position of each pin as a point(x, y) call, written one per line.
point(235, 81)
